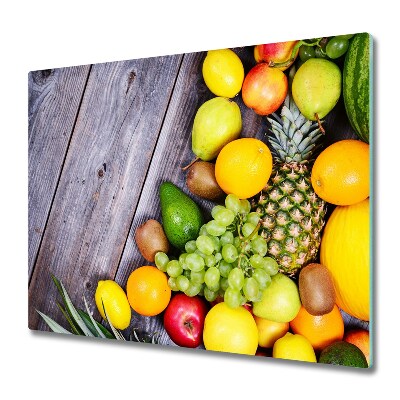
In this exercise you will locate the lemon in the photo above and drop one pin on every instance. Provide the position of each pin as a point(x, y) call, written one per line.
point(115, 302)
point(223, 72)
point(231, 330)
point(294, 347)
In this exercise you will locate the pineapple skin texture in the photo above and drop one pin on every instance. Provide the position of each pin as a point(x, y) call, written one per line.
point(292, 217)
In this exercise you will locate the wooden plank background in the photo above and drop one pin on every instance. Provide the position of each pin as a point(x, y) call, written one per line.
point(101, 140)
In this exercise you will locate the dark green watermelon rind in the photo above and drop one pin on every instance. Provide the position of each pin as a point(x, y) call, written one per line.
point(356, 85)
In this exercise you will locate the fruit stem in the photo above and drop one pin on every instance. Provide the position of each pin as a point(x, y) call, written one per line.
point(319, 123)
point(191, 163)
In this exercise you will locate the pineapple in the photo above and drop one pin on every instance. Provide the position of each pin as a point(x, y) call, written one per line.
point(292, 215)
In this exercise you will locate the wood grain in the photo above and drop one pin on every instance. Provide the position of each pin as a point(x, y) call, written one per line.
point(116, 130)
point(54, 98)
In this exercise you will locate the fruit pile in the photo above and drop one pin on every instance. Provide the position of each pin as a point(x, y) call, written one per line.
point(269, 271)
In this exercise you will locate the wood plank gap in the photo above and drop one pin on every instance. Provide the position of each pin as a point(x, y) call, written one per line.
point(148, 168)
point(59, 176)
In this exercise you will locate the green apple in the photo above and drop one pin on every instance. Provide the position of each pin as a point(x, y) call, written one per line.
point(280, 301)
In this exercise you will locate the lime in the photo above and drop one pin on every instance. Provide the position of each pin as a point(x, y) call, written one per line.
point(223, 72)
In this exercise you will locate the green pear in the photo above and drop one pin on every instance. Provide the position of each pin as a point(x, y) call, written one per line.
point(280, 301)
point(316, 87)
point(217, 122)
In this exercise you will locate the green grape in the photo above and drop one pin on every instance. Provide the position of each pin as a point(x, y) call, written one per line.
point(200, 253)
point(270, 265)
point(174, 269)
point(193, 289)
point(218, 257)
point(182, 260)
point(225, 268)
point(256, 261)
point(250, 288)
point(245, 206)
point(224, 284)
point(253, 218)
point(306, 52)
point(236, 278)
point(319, 53)
point(195, 262)
point(205, 244)
point(225, 217)
point(190, 246)
point(226, 238)
point(209, 294)
point(232, 297)
point(229, 253)
point(237, 243)
point(336, 47)
point(161, 260)
point(232, 202)
point(212, 277)
point(216, 242)
point(259, 246)
point(247, 229)
point(187, 273)
point(172, 284)
point(182, 282)
point(215, 210)
point(203, 230)
point(214, 228)
point(197, 276)
point(210, 260)
point(262, 278)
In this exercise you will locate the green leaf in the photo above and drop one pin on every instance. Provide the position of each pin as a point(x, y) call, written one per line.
point(71, 309)
point(75, 329)
point(88, 322)
point(99, 332)
point(53, 325)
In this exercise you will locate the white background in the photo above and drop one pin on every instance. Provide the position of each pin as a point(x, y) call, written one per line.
point(44, 34)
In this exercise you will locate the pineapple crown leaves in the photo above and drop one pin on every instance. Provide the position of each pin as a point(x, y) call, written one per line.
point(294, 138)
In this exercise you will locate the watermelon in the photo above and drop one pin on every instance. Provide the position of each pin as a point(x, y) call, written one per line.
point(356, 84)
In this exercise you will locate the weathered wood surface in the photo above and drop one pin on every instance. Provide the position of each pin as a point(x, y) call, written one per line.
point(132, 131)
point(112, 145)
point(54, 98)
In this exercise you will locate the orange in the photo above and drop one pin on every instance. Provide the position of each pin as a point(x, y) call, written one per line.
point(320, 330)
point(340, 174)
point(243, 167)
point(148, 291)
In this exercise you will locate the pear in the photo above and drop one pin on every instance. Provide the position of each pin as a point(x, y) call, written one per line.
point(217, 122)
point(280, 301)
point(316, 87)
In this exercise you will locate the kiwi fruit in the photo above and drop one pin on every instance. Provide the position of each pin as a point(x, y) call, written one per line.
point(150, 239)
point(201, 181)
point(317, 292)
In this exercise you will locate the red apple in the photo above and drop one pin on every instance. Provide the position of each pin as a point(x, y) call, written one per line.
point(278, 54)
point(184, 319)
point(264, 89)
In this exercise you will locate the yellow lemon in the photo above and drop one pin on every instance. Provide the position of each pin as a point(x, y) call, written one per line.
point(270, 331)
point(223, 72)
point(115, 302)
point(294, 347)
point(231, 330)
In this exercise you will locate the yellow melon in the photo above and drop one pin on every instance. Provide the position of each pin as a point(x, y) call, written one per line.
point(345, 251)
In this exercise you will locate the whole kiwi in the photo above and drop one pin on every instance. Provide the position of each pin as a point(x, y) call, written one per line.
point(317, 292)
point(150, 239)
point(201, 181)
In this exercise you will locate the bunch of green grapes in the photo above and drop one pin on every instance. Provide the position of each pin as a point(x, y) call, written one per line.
point(327, 47)
point(228, 258)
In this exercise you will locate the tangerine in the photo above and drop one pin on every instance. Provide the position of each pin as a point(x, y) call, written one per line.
point(148, 291)
point(340, 174)
point(243, 167)
point(320, 330)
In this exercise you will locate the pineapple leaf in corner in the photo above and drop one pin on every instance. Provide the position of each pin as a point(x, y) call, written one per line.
point(53, 325)
point(118, 335)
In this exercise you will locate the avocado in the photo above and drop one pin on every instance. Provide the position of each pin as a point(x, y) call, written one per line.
point(343, 353)
point(181, 216)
